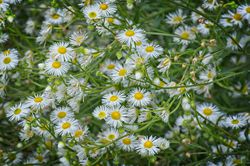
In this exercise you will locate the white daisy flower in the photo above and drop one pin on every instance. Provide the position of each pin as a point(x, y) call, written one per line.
point(8, 62)
point(108, 66)
point(17, 112)
point(147, 146)
point(113, 98)
point(210, 4)
point(236, 121)
point(4, 6)
point(37, 102)
point(209, 111)
point(66, 127)
point(120, 73)
point(61, 114)
point(116, 116)
point(127, 143)
point(162, 143)
point(56, 67)
point(61, 51)
point(135, 61)
point(77, 38)
point(92, 12)
point(204, 28)
point(233, 18)
point(55, 16)
point(226, 21)
point(150, 50)
point(106, 8)
point(131, 36)
point(208, 75)
point(101, 112)
point(109, 135)
point(185, 35)
point(139, 97)
point(233, 44)
point(80, 133)
point(244, 10)
point(176, 18)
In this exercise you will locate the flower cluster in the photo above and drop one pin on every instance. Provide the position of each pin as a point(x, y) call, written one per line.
point(101, 82)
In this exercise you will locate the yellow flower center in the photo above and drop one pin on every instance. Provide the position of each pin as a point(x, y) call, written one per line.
point(126, 141)
point(113, 98)
point(56, 64)
point(237, 16)
point(104, 6)
point(92, 15)
point(116, 115)
point(110, 20)
point(66, 125)
point(235, 121)
point(111, 136)
point(7, 60)
point(150, 49)
point(185, 35)
point(177, 19)
point(78, 133)
point(138, 96)
point(17, 111)
point(148, 144)
point(62, 50)
point(111, 66)
point(6, 52)
point(166, 62)
point(55, 16)
point(122, 72)
point(102, 115)
point(1, 1)
point(248, 9)
point(61, 115)
point(210, 75)
point(207, 111)
point(129, 33)
point(39, 158)
point(38, 99)
point(79, 39)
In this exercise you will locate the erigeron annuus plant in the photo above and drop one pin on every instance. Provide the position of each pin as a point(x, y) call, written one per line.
point(110, 82)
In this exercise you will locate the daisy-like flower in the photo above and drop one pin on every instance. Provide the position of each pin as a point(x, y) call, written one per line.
point(210, 4)
point(236, 18)
point(101, 112)
point(131, 36)
point(127, 143)
point(61, 51)
point(8, 59)
point(204, 28)
point(56, 67)
point(113, 98)
point(106, 8)
point(176, 18)
point(165, 64)
point(208, 75)
point(38, 102)
point(4, 5)
point(108, 66)
point(80, 132)
point(61, 114)
point(150, 50)
point(209, 111)
point(135, 61)
point(236, 121)
point(185, 35)
point(233, 44)
point(139, 97)
point(147, 146)
point(244, 10)
point(77, 38)
point(55, 16)
point(226, 21)
point(66, 127)
point(162, 143)
point(116, 116)
point(108, 136)
point(120, 73)
point(17, 112)
point(92, 12)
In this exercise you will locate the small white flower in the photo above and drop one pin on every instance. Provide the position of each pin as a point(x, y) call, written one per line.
point(8, 59)
point(185, 35)
point(55, 16)
point(61, 51)
point(101, 112)
point(150, 50)
point(176, 17)
point(209, 111)
point(236, 121)
point(60, 114)
point(147, 146)
point(38, 102)
point(66, 127)
point(92, 12)
point(116, 116)
point(77, 38)
point(210, 4)
point(56, 67)
point(17, 112)
point(113, 98)
point(120, 73)
point(106, 8)
point(127, 143)
point(244, 10)
point(131, 36)
point(139, 97)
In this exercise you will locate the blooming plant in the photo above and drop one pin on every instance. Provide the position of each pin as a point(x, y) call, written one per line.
point(114, 82)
